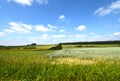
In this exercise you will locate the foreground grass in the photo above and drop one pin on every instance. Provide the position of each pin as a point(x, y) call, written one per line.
point(34, 66)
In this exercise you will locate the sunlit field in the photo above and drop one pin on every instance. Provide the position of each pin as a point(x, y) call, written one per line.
point(77, 64)
point(108, 52)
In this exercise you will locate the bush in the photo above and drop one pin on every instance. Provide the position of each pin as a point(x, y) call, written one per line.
point(33, 44)
point(57, 47)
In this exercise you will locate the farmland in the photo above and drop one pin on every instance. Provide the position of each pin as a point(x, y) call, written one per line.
point(108, 53)
point(69, 64)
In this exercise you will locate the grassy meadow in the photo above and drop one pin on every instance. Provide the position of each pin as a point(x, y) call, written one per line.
point(74, 64)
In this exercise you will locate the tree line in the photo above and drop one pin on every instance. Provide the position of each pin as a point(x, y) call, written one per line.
point(93, 42)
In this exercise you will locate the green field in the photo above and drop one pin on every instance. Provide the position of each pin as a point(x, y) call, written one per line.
point(73, 64)
point(110, 52)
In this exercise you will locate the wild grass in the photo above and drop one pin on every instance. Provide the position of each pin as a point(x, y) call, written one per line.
point(29, 65)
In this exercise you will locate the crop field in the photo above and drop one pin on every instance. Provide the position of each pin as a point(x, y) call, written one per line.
point(73, 64)
point(111, 52)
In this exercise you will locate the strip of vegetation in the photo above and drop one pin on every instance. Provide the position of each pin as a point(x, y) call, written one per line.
point(93, 42)
point(34, 66)
point(44, 70)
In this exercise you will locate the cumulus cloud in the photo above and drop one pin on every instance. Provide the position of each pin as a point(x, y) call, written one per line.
point(42, 1)
point(70, 36)
point(45, 36)
point(18, 27)
point(21, 28)
point(22, 2)
point(41, 28)
point(92, 33)
point(51, 26)
point(62, 30)
point(61, 18)
point(116, 34)
point(2, 33)
point(29, 2)
point(101, 38)
point(81, 28)
point(58, 36)
point(113, 36)
point(114, 6)
point(80, 35)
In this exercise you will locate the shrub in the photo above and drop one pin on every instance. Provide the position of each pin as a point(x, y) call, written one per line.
point(57, 47)
point(33, 44)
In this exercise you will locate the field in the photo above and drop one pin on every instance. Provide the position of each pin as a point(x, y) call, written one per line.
point(73, 64)
point(108, 53)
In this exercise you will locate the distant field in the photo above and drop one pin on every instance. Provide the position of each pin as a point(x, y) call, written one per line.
point(109, 52)
point(44, 47)
point(35, 47)
point(69, 64)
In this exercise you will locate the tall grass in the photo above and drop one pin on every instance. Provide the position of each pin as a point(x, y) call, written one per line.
point(34, 66)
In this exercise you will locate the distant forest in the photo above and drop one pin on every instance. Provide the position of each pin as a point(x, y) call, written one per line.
point(92, 42)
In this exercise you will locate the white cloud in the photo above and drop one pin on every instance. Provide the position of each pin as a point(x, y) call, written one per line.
point(58, 36)
point(23, 2)
point(81, 28)
point(70, 36)
point(2, 33)
point(29, 2)
point(33, 39)
point(80, 35)
point(97, 36)
point(14, 41)
point(116, 34)
point(115, 6)
point(41, 28)
point(100, 38)
point(9, 30)
point(18, 27)
point(113, 36)
point(92, 33)
point(62, 30)
point(51, 26)
point(77, 36)
point(61, 18)
point(42, 1)
point(45, 36)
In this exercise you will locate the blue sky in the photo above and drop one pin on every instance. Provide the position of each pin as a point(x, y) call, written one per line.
point(52, 21)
